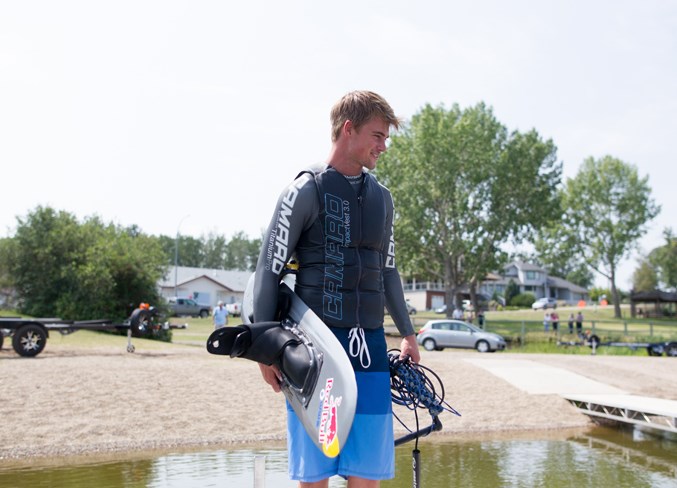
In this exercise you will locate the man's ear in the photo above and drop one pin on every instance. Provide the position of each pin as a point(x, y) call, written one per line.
point(348, 127)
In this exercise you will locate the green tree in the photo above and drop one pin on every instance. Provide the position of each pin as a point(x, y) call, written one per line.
point(242, 253)
point(607, 207)
point(214, 249)
point(596, 293)
point(186, 250)
point(464, 187)
point(664, 260)
point(82, 271)
point(6, 284)
point(511, 291)
point(644, 278)
point(559, 256)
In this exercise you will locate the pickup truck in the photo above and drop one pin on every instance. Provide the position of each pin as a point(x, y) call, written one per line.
point(187, 306)
point(234, 309)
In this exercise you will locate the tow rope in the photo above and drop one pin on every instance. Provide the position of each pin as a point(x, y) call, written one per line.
point(413, 388)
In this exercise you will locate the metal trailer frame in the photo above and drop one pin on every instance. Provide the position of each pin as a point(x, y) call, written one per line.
point(669, 348)
point(29, 336)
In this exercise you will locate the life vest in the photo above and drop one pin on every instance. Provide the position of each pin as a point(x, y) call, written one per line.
point(340, 256)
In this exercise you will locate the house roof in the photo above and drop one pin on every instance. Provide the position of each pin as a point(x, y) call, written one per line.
point(555, 282)
point(232, 280)
point(552, 281)
point(524, 266)
point(654, 296)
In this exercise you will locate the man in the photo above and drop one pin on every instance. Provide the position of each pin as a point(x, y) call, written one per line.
point(220, 315)
point(338, 222)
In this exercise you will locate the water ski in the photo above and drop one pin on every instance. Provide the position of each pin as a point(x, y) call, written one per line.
point(318, 380)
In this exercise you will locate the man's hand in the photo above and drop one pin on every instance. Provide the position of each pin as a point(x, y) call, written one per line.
point(409, 348)
point(272, 376)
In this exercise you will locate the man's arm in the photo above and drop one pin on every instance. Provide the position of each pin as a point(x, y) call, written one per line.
point(393, 290)
point(295, 211)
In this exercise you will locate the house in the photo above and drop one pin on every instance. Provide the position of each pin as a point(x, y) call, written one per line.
point(206, 286)
point(528, 277)
point(534, 279)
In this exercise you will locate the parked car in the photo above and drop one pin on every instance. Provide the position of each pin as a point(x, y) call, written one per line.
point(234, 309)
point(187, 306)
point(442, 309)
point(543, 303)
point(435, 335)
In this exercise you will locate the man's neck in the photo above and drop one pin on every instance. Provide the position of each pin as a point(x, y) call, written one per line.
point(340, 163)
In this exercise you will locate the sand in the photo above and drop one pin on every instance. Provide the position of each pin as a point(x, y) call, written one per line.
point(73, 401)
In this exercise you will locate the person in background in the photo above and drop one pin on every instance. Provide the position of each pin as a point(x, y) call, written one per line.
point(546, 322)
point(555, 321)
point(220, 315)
point(579, 323)
point(571, 323)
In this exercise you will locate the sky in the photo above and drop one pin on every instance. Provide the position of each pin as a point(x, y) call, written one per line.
point(191, 117)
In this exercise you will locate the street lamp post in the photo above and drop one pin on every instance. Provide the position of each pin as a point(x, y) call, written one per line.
point(176, 253)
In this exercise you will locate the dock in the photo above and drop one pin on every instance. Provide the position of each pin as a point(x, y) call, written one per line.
point(651, 413)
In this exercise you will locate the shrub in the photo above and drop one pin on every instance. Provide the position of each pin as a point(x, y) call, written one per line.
point(524, 300)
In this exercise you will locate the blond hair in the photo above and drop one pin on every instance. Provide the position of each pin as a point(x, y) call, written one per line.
point(360, 107)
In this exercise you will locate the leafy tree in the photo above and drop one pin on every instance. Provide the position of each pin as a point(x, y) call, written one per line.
point(644, 278)
point(559, 256)
point(607, 207)
point(597, 293)
point(511, 291)
point(242, 253)
point(664, 260)
point(186, 250)
point(81, 271)
point(214, 249)
point(463, 187)
point(6, 283)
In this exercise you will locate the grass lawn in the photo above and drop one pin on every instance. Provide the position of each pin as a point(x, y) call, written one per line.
point(523, 329)
point(198, 329)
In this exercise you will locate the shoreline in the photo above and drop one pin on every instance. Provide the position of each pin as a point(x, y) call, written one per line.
point(79, 404)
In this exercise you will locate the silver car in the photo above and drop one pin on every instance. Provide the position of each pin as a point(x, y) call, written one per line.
point(435, 335)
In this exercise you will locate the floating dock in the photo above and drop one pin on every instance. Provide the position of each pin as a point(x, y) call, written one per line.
point(651, 413)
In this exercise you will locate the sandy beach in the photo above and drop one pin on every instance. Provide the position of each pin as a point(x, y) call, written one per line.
point(72, 401)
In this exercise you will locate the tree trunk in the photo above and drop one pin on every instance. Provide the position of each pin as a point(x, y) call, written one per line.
point(449, 287)
point(473, 297)
point(614, 293)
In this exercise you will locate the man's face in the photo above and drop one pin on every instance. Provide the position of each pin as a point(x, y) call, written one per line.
point(367, 143)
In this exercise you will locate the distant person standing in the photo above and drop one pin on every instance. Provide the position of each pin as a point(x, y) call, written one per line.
point(571, 323)
point(220, 315)
point(579, 322)
point(555, 321)
point(546, 322)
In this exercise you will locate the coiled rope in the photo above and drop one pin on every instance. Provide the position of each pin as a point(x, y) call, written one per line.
point(415, 387)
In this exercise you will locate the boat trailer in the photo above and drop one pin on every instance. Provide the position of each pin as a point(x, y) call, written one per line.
point(29, 336)
point(669, 348)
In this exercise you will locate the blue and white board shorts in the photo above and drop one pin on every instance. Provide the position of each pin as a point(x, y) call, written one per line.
point(369, 450)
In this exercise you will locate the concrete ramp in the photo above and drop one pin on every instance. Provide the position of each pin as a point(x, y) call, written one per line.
point(540, 379)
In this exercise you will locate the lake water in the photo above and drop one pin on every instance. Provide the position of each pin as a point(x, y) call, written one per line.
point(598, 457)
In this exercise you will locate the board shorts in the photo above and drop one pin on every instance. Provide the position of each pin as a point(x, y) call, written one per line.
point(369, 450)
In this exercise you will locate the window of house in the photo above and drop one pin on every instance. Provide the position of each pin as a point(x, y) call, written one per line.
point(532, 275)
